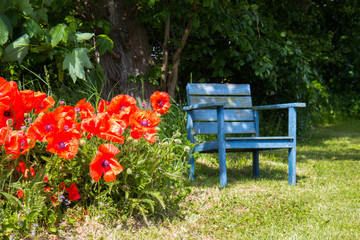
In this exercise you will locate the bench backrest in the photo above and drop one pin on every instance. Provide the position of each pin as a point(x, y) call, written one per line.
point(238, 112)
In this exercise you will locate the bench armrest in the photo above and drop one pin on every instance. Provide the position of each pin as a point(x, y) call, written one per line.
point(279, 106)
point(201, 106)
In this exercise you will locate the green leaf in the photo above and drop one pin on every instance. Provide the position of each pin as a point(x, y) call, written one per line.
point(59, 33)
point(104, 44)
point(151, 3)
point(4, 33)
point(43, 47)
point(5, 29)
point(17, 50)
point(196, 22)
point(32, 215)
point(41, 15)
point(83, 36)
point(12, 199)
point(76, 61)
point(206, 3)
point(33, 29)
point(4, 5)
point(25, 7)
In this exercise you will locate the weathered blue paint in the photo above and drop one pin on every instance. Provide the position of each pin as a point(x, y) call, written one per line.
point(221, 146)
point(225, 109)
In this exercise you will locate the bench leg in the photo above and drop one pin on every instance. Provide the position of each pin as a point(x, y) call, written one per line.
point(222, 166)
point(191, 168)
point(292, 166)
point(256, 164)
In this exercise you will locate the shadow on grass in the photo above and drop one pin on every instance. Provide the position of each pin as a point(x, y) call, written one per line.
point(208, 176)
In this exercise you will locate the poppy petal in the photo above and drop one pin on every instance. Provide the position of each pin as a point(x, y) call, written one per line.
point(108, 149)
point(109, 176)
point(115, 166)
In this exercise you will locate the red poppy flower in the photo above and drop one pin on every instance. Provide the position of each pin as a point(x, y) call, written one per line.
point(85, 108)
point(47, 189)
point(104, 162)
point(45, 105)
point(141, 123)
point(160, 102)
point(31, 100)
point(62, 186)
point(97, 124)
point(65, 111)
point(20, 194)
point(116, 127)
point(73, 192)
point(44, 125)
point(46, 179)
point(4, 87)
point(65, 144)
point(24, 170)
point(102, 106)
point(8, 111)
point(54, 200)
point(127, 112)
point(21, 168)
point(144, 119)
point(150, 135)
point(4, 135)
point(67, 123)
point(16, 143)
point(119, 103)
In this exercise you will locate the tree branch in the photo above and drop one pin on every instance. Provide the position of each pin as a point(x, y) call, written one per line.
point(165, 61)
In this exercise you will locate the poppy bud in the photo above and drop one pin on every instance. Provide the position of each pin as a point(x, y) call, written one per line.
point(82, 142)
point(9, 122)
point(186, 149)
point(177, 141)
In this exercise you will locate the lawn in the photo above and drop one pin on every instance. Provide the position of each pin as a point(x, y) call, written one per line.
point(325, 203)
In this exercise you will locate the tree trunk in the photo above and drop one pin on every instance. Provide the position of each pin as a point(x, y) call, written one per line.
point(164, 67)
point(173, 78)
point(131, 55)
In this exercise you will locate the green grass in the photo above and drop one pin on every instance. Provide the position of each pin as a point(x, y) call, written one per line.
point(325, 204)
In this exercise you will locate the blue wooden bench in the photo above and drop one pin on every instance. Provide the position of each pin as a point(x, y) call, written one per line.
point(226, 109)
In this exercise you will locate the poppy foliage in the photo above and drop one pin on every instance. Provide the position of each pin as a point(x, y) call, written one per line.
point(28, 117)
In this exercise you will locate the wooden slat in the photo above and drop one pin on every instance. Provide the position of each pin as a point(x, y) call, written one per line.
point(218, 89)
point(228, 101)
point(209, 115)
point(230, 127)
point(248, 144)
point(259, 143)
point(280, 106)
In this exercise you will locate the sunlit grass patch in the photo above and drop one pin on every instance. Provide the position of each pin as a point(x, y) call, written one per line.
point(325, 203)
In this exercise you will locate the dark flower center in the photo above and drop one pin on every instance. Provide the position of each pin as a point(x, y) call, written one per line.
point(144, 123)
point(41, 106)
point(7, 114)
point(62, 145)
point(66, 127)
point(22, 145)
point(49, 127)
point(122, 108)
point(160, 103)
point(105, 163)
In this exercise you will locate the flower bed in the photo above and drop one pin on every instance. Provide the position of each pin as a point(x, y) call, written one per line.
point(107, 160)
